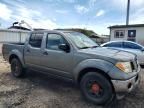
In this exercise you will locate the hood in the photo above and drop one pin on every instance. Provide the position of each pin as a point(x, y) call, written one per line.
point(110, 53)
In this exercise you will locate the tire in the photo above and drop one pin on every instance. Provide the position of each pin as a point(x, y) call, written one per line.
point(96, 88)
point(16, 68)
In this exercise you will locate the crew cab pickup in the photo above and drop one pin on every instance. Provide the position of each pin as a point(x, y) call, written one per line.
point(101, 73)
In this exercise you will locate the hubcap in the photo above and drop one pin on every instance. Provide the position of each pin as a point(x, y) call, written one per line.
point(94, 89)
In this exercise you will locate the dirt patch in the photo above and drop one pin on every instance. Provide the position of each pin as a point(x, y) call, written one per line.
point(41, 91)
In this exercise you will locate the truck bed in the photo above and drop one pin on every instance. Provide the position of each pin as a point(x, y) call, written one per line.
point(8, 47)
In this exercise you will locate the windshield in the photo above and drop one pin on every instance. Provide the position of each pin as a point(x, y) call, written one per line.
point(81, 40)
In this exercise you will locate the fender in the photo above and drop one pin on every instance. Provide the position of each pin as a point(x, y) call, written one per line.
point(18, 54)
point(103, 65)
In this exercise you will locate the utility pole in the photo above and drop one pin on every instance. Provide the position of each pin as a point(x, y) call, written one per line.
point(128, 9)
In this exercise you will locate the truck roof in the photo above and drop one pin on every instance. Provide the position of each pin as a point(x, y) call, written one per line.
point(58, 31)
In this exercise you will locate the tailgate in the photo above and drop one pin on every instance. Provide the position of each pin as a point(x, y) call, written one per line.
point(5, 51)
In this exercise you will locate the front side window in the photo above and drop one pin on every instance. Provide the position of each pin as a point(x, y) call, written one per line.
point(81, 40)
point(36, 40)
point(119, 34)
point(54, 40)
point(114, 44)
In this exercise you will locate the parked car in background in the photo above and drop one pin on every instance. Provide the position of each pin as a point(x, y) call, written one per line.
point(129, 46)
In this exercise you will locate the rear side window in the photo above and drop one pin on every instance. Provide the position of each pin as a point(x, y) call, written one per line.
point(114, 44)
point(36, 40)
point(131, 45)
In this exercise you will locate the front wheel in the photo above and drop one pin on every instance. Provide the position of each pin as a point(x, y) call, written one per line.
point(16, 68)
point(96, 88)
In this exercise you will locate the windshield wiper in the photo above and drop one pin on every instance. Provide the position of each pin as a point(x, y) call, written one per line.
point(85, 47)
point(88, 47)
point(94, 46)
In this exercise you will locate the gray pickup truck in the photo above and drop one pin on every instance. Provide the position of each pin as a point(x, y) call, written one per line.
point(101, 73)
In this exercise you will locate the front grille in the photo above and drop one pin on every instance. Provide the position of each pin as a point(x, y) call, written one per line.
point(134, 66)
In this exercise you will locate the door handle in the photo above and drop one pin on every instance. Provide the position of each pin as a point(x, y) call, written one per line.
point(45, 53)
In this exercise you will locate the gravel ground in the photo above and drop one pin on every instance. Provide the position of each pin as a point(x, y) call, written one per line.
point(40, 91)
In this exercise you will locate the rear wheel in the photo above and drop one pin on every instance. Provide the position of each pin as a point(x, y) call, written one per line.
point(16, 68)
point(96, 88)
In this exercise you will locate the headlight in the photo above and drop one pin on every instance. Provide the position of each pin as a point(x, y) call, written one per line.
point(124, 66)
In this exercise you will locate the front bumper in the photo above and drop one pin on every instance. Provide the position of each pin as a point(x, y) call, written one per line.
point(123, 87)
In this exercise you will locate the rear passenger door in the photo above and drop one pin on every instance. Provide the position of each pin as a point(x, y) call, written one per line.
point(32, 51)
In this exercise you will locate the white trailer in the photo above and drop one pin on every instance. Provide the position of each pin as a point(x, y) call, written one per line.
point(12, 35)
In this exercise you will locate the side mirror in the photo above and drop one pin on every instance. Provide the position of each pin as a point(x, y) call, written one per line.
point(142, 49)
point(64, 47)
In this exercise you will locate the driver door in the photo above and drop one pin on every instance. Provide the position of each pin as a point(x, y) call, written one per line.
point(57, 61)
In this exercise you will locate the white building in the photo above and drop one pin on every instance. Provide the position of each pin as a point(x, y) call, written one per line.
point(100, 39)
point(127, 32)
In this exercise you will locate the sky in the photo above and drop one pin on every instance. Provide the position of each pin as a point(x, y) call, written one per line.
point(95, 15)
